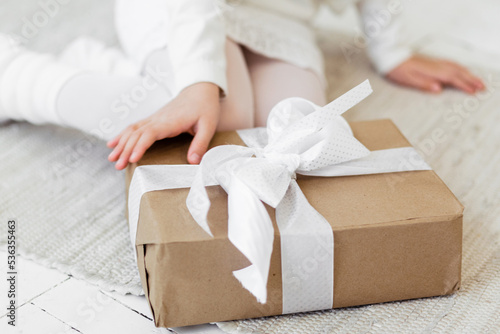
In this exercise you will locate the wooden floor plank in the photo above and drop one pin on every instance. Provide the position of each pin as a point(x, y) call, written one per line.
point(90, 311)
point(31, 319)
point(33, 280)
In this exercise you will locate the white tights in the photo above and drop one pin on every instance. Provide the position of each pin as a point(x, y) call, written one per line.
point(101, 95)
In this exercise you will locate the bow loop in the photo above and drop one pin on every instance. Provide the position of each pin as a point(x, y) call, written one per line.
point(210, 172)
point(334, 146)
point(286, 114)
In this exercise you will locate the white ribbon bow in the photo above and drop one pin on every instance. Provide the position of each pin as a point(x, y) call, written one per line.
point(303, 138)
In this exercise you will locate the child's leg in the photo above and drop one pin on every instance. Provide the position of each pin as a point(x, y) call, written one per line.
point(29, 83)
point(104, 104)
point(274, 80)
point(40, 88)
point(238, 106)
point(127, 100)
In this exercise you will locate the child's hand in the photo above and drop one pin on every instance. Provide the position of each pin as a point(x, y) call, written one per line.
point(432, 74)
point(195, 110)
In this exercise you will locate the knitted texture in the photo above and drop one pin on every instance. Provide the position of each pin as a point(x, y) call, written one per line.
point(70, 204)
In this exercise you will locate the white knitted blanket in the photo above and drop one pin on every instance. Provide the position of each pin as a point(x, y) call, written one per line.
point(70, 202)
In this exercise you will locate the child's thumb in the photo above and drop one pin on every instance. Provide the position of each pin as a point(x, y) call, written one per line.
point(200, 142)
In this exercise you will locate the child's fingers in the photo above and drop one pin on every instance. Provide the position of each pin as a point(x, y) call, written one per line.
point(457, 77)
point(473, 81)
point(113, 142)
point(460, 77)
point(456, 81)
point(466, 75)
point(147, 139)
point(201, 140)
point(425, 83)
point(127, 150)
point(115, 154)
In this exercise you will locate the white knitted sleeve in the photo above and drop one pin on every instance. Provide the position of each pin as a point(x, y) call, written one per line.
point(197, 43)
point(381, 21)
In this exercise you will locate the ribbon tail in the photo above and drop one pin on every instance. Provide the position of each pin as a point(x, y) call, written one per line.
point(198, 202)
point(251, 230)
point(349, 99)
point(210, 173)
point(306, 254)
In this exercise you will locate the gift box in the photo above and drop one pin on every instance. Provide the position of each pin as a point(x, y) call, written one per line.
point(394, 235)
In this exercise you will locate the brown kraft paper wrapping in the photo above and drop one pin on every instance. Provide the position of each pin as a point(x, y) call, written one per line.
point(397, 236)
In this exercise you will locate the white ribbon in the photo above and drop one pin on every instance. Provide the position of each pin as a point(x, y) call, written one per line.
point(300, 138)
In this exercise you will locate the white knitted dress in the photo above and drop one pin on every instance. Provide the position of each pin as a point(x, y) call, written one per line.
point(280, 29)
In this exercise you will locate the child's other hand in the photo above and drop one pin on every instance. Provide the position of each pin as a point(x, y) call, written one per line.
point(195, 110)
point(432, 75)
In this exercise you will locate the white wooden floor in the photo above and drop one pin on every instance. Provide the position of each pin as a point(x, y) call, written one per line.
point(50, 302)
